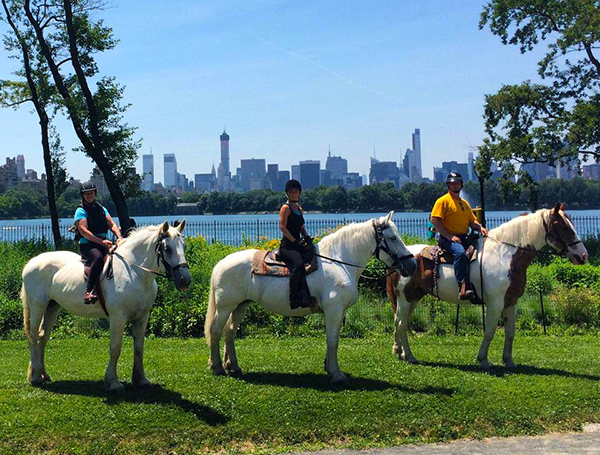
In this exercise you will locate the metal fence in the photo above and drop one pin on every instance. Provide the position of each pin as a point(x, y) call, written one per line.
point(237, 232)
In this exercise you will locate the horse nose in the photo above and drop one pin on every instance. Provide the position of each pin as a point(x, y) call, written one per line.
point(585, 257)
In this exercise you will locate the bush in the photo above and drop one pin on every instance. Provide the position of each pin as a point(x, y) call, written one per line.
point(11, 315)
point(579, 307)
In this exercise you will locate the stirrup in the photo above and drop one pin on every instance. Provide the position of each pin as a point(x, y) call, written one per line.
point(91, 299)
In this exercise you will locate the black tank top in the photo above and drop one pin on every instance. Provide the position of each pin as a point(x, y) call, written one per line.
point(295, 222)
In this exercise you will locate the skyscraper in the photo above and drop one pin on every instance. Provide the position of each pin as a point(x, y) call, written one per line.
point(416, 146)
point(253, 174)
point(170, 170)
point(224, 173)
point(337, 167)
point(148, 172)
point(310, 174)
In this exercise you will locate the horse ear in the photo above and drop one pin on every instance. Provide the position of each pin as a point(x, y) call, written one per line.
point(388, 217)
point(181, 226)
point(563, 206)
point(556, 208)
point(164, 228)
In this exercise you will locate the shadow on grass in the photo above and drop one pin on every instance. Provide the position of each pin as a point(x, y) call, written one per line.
point(321, 382)
point(156, 394)
point(501, 371)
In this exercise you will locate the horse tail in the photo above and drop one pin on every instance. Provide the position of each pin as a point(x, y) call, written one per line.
point(391, 282)
point(210, 311)
point(26, 314)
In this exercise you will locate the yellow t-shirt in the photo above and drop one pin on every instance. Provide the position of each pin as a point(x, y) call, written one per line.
point(456, 216)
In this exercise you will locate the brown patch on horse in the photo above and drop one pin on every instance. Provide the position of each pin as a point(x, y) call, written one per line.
point(517, 274)
point(421, 282)
point(391, 283)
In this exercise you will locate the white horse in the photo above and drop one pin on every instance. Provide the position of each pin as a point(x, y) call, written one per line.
point(334, 285)
point(56, 279)
point(507, 252)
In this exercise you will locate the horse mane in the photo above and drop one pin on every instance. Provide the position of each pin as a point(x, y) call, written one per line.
point(139, 235)
point(351, 235)
point(522, 230)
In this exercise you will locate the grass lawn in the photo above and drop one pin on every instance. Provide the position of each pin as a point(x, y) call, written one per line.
point(284, 401)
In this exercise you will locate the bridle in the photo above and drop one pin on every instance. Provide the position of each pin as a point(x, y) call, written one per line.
point(159, 248)
point(565, 246)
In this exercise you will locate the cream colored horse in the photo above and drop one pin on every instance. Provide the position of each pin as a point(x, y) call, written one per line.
point(507, 253)
point(334, 285)
point(56, 279)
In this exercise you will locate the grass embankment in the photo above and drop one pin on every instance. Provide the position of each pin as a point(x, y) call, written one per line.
point(284, 401)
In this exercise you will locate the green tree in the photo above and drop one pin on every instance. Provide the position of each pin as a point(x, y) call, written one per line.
point(557, 121)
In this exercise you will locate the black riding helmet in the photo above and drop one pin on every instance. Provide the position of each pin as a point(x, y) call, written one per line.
point(293, 184)
point(455, 177)
point(88, 186)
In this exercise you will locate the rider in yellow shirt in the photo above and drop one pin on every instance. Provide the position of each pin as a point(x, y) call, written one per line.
point(452, 217)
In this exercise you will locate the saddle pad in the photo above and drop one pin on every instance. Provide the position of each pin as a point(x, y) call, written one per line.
point(265, 263)
point(430, 252)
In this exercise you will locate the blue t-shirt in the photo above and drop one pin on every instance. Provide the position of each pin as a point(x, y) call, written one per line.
point(80, 214)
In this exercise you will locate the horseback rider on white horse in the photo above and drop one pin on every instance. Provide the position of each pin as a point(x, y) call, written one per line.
point(93, 222)
point(291, 223)
point(452, 217)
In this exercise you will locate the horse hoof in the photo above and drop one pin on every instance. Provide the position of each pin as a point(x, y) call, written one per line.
point(115, 387)
point(36, 381)
point(142, 384)
point(235, 372)
point(486, 366)
point(339, 380)
point(512, 366)
point(218, 372)
point(411, 360)
point(46, 377)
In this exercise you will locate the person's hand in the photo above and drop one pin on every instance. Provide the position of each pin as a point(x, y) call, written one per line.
point(455, 238)
point(119, 240)
point(483, 230)
point(107, 244)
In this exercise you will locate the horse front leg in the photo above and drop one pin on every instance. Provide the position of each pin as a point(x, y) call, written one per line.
point(402, 317)
point(48, 323)
point(111, 380)
point(138, 330)
point(216, 330)
point(509, 335)
point(333, 324)
point(230, 362)
point(494, 310)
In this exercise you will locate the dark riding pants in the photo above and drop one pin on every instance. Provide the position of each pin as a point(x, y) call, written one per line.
point(94, 258)
point(461, 263)
point(293, 259)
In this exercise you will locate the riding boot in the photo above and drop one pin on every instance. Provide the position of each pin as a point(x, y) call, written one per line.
point(466, 291)
point(296, 279)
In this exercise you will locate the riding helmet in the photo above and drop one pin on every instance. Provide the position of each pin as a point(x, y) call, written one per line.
point(293, 184)
point(454, 177)
point(88, 186)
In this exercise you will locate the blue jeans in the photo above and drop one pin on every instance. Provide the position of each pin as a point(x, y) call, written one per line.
point(461, 263)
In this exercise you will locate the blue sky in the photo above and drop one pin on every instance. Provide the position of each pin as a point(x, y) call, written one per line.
point(288, 78)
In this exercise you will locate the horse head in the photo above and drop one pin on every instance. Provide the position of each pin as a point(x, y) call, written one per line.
point(170, 249)
point(394, 251)
point(562, 237)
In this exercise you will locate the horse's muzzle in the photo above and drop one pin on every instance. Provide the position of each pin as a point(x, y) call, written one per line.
point(408, 267)
point(182, 278)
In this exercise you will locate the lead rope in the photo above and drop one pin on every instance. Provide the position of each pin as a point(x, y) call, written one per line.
point(481, 282)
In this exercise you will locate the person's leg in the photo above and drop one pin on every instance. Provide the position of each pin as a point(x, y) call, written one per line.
point(461, 266)
point(294, 261)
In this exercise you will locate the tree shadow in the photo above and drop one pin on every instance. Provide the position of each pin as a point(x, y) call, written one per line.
point(155, 394)
point(501, 371)
point(321, 383)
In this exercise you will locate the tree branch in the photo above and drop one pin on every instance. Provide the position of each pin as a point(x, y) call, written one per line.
point(591, 56)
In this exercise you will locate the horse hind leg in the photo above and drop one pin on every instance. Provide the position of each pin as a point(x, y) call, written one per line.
point(48, 322)
point(402, 317)
point(494, 310)
point(510, 313)
point(33, 313)
point(230, 362)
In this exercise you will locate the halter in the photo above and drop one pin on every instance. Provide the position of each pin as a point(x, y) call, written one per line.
point(382, 245)
point(565, 245)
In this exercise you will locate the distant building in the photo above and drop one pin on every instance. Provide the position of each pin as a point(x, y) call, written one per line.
point(223, 172)
point(591, 171)
point(296, 172)
point(253, 174)
point(352, 180)
point(97, 178)
point(148, 172)
point(8, 175)
point(205, 183)
point(170, 170)
point(337, 167)
point(325, 178)
point(539, 171)
point(471, 166)
point(384, 171)
point(283, 177)
point(310, 174)
point(20, 167)
point(416, 171)
point(273, 176)
point(568, 171)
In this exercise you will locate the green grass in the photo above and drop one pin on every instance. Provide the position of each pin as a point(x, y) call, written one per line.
point(284, 401)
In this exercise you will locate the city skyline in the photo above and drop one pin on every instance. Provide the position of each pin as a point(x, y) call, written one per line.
point(288, 81)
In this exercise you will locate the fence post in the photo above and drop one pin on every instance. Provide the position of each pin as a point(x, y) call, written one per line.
point(456, 319)
point(257, 230)
point(214, 231)
point(543, 312)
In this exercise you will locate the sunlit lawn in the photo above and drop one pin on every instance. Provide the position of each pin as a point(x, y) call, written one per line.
point(284, 401)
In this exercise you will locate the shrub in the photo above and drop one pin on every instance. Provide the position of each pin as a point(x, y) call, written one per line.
point(577, 306)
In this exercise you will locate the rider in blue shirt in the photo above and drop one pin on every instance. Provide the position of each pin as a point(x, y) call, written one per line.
point(93, 222)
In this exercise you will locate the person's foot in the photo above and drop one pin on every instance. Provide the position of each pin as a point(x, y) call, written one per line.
point(466, 293)
point(90, 298)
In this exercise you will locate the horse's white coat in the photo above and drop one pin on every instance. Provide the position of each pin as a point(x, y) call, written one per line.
point(335, 287)
point(526, 231)
point(59, 277)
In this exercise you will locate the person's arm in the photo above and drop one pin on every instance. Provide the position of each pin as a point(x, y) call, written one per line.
point(476, 226)
point(88, 235)
point(113, 227)
point(439, 226)
point(284, 213)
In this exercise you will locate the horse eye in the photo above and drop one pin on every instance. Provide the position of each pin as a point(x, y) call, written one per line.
point(168, 249)
point(393, 238)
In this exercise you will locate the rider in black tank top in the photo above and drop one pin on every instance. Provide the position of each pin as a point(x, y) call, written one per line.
point(291, 223)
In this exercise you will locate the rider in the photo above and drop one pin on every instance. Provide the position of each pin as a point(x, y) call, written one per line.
point(291, 223)
point(93, 222)
point(452, 217)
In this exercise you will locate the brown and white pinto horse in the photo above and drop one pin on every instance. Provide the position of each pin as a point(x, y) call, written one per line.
point(507, 252)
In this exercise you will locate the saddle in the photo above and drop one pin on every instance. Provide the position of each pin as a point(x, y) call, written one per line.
point(437, 253)
point(269, 263)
